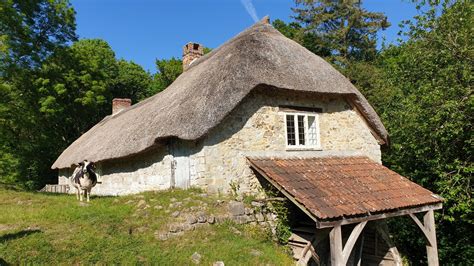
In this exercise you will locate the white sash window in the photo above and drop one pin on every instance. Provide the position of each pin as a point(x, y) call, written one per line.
point(302, 130)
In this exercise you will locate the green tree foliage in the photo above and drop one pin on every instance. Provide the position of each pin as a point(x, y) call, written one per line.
point(167, 71)
point(51, 91)
point(31, 30)
point(344, 27)
point(424, 96)
point(308, 39)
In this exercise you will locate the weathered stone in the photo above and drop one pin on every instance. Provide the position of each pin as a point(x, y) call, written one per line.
point(129, 202)
point(235, 231)
point(259, 216)
point(211, 219)
point(257, 204)
point(174, 228)
point(236, 208)
point(161, 236)
point(175, 214)
point(218, 263)
point(188, 227)
point(141, 203)
point(190, 219)
point(158, 207)
point(202, 217)
point(196, 258)
point(173, 199)
point(249, 211)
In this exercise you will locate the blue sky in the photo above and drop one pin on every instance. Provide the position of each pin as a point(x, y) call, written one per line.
point(143, 30)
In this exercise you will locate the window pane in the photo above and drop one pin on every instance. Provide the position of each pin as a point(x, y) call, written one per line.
point(301, 130)
point(290, 129)
point(312, 132)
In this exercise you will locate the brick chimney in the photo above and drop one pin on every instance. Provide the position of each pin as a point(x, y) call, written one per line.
point(119, 104)
point(191, 52)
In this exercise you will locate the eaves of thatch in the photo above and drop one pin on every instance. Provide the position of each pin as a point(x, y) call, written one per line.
point(200, 98)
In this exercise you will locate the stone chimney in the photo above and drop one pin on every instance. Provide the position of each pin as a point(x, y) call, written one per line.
point(119, 104)
point(191, 52)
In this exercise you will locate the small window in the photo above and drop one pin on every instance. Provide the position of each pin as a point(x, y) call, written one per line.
point(302, 130)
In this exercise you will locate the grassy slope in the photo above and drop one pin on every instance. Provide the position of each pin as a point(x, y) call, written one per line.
point(52, 229)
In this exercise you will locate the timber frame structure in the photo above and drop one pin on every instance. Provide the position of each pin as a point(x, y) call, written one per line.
point(297, 179)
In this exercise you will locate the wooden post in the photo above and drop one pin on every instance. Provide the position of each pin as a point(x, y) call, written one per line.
point(429, 231)
point(335, 243)
point(431, 246)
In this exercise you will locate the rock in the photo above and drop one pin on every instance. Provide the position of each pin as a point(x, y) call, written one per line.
point(249, 211)
point(196, 258)
point(188, 227)
point(271, 217)
point(203, 195)
point(191, 219)
point(256, 253)
point(236, 208)
point(175, 214)
point(250, 218)
point(257, 204)
point(141, 203)
point(239, 198)
point(259, 216)
point(158, 207)
point(219, 202)
point(211, 219)
point(218, 263)
point(202, 217)
point(174, 228)
point(235, 231)
point(129, 202)
point(194, 208)
point(173, 200)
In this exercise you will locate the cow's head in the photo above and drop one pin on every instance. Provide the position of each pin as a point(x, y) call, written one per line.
point(88, 166)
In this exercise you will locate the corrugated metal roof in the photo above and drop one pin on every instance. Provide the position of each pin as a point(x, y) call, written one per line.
point(337, 187)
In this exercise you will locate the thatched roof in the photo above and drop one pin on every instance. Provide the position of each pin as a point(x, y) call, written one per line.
point(200, 98)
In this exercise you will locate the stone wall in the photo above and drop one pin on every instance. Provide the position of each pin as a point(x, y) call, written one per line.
point(256, 127)
point(149, 171)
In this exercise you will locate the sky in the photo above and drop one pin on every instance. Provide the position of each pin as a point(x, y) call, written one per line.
point(145, 30)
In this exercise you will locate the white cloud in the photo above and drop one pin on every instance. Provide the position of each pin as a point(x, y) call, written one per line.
point(250, 9)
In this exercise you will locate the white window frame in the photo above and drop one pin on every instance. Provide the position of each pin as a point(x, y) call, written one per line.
point(298, 146)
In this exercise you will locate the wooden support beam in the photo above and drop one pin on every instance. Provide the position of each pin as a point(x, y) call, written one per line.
point(371, 217)
point(335, 243)
point(432, 247)
point(429, 232)
point(351, 241)
point(425, 232)
point(382, 229)
point(339, 254)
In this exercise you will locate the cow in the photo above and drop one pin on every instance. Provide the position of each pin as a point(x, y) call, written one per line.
point(83, 178)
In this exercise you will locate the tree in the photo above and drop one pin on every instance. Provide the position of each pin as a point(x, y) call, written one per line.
point(425, 98)
point(132, 81)
point(308, 39)
point(168, 71)
point(30, 31)
point(343, 26)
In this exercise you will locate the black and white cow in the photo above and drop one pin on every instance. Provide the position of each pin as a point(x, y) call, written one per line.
point(83, 178)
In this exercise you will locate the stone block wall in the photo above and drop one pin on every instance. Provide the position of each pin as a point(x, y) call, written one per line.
point(149, 171)
point(257, 128)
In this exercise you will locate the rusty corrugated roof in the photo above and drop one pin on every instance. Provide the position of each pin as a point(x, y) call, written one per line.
point(339, 187)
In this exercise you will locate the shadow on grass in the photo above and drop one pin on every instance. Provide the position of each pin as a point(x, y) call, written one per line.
point(19, 234)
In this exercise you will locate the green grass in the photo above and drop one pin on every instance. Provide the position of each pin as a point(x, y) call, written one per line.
point(55, 229)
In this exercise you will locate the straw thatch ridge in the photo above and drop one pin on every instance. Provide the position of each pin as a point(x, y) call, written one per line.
point(213, 86)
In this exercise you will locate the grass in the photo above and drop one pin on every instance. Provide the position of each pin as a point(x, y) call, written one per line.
point(40, 228)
